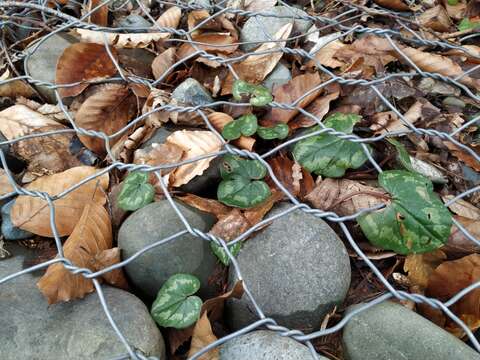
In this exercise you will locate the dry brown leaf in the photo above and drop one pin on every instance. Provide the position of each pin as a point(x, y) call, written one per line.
point(214, 207)
point(44, 154)
point(106, 258)
point(463, 208)
point(451, 277)
point(318, 108)
point(290, 93)
point(108, 110)
point(345, 197)
point(159, 154)
point(462, 155)
point(257, 66)
point(211, 42)
point(15, 88)
point(91, 236)
point(201, 337)
point(458, 243)
point(288, 174)
point(219, 120)
point(214, 306)
point(170, 18)
point(420, 266)
point(140, 40)
point(163, 62)
point(435, 18)
point(5, 186)
point(156, 99)
point(99, 16)
point(82, 62)
point(33, 214)
point(438, 64)
point(326, 55)
point(398, 5)
point(194, 144)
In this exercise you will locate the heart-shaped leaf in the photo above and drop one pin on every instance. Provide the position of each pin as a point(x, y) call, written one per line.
point(415, 221)
point(328, 155)
point(136, 192)
point(241, 185)
point(221, 254)
point(175, 306)
point(259, 95)
point(245, 125)
point(279, 131)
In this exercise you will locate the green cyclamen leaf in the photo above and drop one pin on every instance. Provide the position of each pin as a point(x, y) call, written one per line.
point(415, 221)
point(279, 131)
point(136, 192)
point(466, 24)
point(234, 165)
point(259, 95)
point(221, 254)
point(328, 155)
point(245, 125)
point(403, 156)
point(239, 191)
point(175, 306)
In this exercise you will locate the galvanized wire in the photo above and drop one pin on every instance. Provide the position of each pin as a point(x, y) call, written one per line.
point(59, 21)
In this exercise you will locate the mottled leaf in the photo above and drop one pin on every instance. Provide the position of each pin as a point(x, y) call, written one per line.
point(175, 306)
point(279, 131)
point(415, 221)
point(136, 192)
point(328, 155)
point(245, 125)
point(221, 254)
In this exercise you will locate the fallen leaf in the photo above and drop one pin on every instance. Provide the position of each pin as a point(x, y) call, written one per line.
point(108, 258)
point(163, 62)
point(462, 155)
point(194, 144)
point(231, 225)
point(44, 154)
point(462, 208)
point(159, 154)
point(398, 5)
point(258, 5)
point(345, 197)
point(420, 266)
point(447, 280)
point(214, 207)
point(83, 62)
point(318, 108)
point(170, 18)
point(219, 120)
point(99, 16)
point(5, 186)
point(91, 236)
point(107, 110)
point(435, 18)
point(14, 89)
point(214, 306)
point(458, 243)
point(257, 66)
point(438, 64)
point(324, 51)
point(156, 99)
point(289, 93)
point(137, 40)
point(33, 214)
point(202, 336)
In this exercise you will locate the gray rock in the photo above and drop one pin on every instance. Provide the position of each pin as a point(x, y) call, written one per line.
point(262, 28)
point(185, 254)
point(135, 23)
point(202, 3)
point(453, 103)
point(32, 329)
point(42, 63)
point(432, 86)
point(280, 75)
point(191, 92)
point(391, 331)
point(264, 345)
point(472, 176)
point(297, 269)
point(10, 231)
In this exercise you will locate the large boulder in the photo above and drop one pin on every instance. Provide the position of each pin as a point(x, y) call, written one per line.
point(32, 329)
point(185, 254)
point(391, 331)
point(297, 270)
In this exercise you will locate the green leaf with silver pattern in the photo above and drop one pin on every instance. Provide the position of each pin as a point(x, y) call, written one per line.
point(136, 192)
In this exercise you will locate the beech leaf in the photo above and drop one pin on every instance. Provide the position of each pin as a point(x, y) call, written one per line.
point(91, 236)
point(175, 306)
point(136, 192)
point(328, 155)
point(203, 336)
point(83, 62)
point(33, 214)
point(415, 221)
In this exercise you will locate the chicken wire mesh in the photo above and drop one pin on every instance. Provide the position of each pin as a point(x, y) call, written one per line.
point(61, 21)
